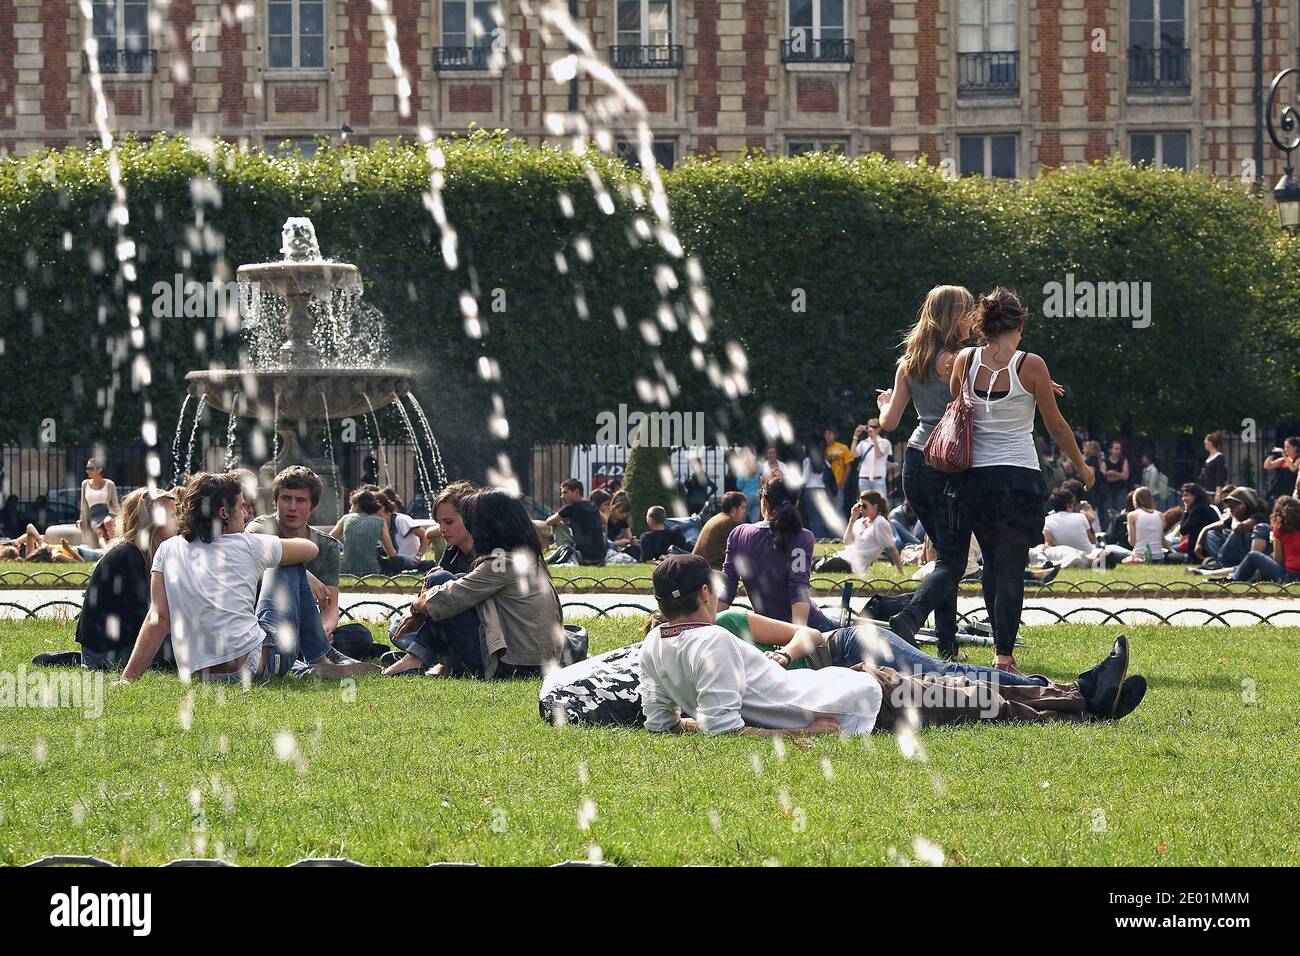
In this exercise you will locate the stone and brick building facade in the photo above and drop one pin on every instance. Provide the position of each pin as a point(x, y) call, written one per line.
point(999, 87)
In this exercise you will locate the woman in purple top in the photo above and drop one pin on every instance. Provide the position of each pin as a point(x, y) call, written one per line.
point(773, 558)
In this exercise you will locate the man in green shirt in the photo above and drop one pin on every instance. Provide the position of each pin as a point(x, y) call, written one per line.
point(296, 493)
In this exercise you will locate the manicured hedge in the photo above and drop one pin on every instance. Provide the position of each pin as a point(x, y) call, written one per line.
point(855, 242)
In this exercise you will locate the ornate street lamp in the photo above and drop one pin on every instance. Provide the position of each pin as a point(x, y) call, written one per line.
point(1287, 191)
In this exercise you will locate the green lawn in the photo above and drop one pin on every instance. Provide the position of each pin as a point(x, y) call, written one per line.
point(414, 771)
point(1122, 581)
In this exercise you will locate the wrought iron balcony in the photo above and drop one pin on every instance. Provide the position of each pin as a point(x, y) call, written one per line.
point(1166, 69)
point(115, 60)
point(988, 74)
point(816, 51)
point(449, 58)
point(663, 56)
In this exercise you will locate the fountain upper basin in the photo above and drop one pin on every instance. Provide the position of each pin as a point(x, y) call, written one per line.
point(252, 393)
point(305, 277)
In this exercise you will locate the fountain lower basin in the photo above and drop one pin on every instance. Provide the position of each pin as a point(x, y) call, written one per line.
point(303, 394)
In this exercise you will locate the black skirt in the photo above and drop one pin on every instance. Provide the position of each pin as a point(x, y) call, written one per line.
point(1000, 495)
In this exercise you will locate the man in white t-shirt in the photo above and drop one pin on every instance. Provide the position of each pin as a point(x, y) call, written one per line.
point(1066, 526)
point(1068, 537)
point(204, 591)
point(692, 666)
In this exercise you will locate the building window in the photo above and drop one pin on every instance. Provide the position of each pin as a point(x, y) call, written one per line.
point(993, 157)
point(643, 36)
point(287, 146)
point(121, 29)
point(817, 33)
point(1158, 57)
point(665, 152)
point(816, 144)
point(1159, 149)
point(471, 33)
point(296, 34)
point(988, 45)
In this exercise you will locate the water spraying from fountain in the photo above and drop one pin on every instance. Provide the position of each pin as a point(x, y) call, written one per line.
point(231, 458)
point(383, 459)
point(199, 413)
point(306, 379)
point(176, 441)
point(435, 455)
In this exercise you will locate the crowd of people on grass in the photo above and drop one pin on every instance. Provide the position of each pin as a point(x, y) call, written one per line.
point(193, 581)
point(196, 583)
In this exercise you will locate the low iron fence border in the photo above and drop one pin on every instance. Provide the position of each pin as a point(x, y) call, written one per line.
point(1201, 616)
point(825, 586)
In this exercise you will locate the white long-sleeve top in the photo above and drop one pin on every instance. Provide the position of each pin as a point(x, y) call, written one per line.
point(725, 684)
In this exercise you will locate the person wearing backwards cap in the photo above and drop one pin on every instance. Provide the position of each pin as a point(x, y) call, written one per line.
point(692, 666)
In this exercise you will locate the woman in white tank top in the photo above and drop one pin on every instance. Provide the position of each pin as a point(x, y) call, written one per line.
point(1146, 527)
point(1000, 499)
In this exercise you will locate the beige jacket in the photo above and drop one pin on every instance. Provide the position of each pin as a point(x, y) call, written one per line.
point(520, 620)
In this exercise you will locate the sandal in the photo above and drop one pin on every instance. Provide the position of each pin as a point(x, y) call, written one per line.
point(417, 671)
point(1012, 667)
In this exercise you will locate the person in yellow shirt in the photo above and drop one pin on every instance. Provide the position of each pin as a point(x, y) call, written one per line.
point(837, 454)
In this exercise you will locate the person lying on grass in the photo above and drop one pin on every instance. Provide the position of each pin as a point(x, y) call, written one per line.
point(502, 618)
point(874, 645)
point(795, 647)
point(692, 666)
point(204, 591)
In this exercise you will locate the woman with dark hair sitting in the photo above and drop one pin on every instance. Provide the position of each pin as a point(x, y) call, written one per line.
point(364, 534)
point(1198, 513)
point(409, 539)
point(1284, 565)
point(502, 618)
point(773, 559)
point(117, 594)
point(459, 551)
point(618, 529)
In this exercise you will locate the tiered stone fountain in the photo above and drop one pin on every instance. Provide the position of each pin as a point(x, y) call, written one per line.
point(297, 393)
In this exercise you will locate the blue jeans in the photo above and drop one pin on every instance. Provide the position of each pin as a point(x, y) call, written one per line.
point(873, 484)
point(453, 641)
point(689, 527)
point(902, 536)
point(854, 645)
point(1258, 566)
point(288, 615)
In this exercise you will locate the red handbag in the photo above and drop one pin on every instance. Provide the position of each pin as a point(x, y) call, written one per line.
point(951, 444)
